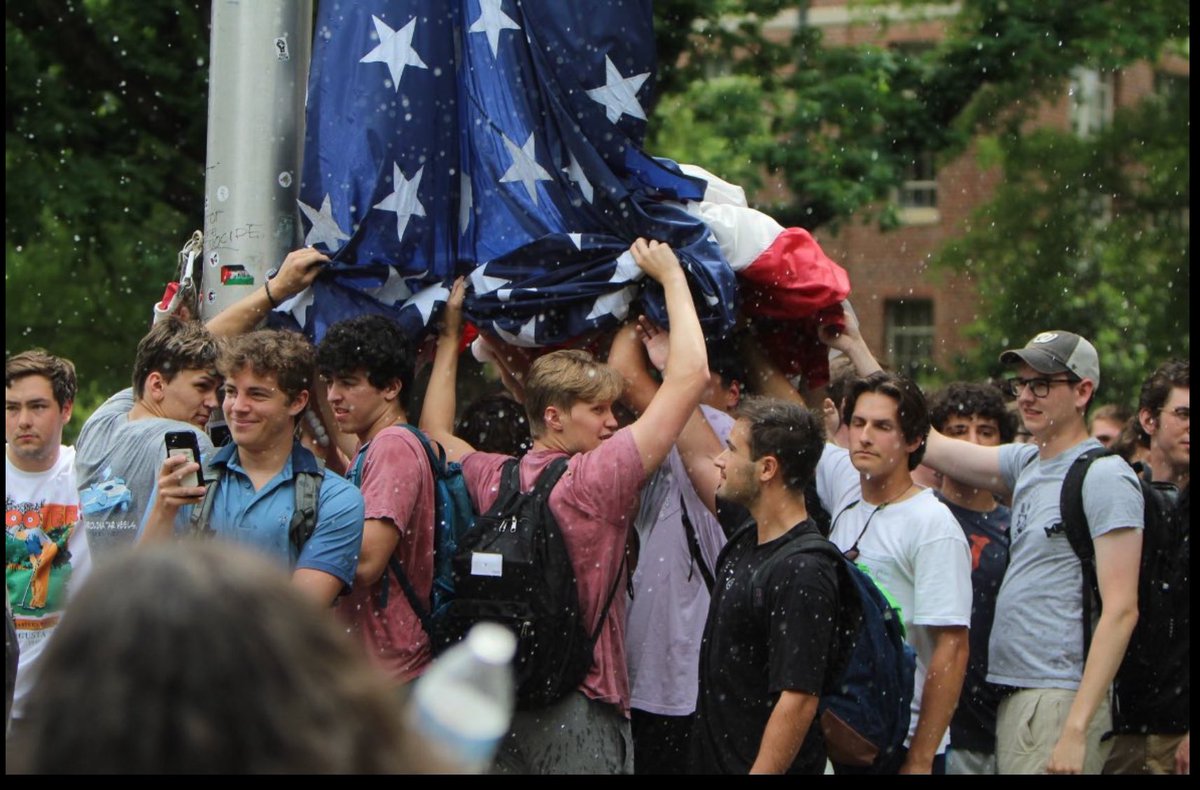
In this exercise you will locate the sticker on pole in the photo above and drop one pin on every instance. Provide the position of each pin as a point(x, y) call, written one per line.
point(281, 49)
point(236, 275)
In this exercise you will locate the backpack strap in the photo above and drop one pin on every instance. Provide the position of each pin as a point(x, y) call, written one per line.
point(595, 635)
point(694, 548)
point(437, 462)
point(307, 489)
point(1075, 524)
point(199, 524)
point(306, 483)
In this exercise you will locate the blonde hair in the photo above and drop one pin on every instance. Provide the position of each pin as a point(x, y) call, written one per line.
point(564, 378)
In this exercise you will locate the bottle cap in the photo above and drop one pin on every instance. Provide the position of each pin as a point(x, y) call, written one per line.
point(492, 643)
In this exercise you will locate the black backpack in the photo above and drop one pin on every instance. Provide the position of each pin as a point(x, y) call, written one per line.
point(514, 569)
point(865, 708)
point(1159, 505)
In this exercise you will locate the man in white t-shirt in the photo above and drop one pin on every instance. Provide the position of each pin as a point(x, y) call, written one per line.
point(912, 546)
point(45, 551)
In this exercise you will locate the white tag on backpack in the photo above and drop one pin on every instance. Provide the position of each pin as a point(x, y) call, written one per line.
point(486, 564)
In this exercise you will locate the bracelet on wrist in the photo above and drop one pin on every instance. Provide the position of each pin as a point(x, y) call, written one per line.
point(267, 288)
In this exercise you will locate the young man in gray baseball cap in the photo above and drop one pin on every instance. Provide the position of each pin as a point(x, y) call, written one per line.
point(1060, 690)
point(1059, 352)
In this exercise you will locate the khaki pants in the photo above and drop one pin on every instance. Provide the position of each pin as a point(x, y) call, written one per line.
point(1028, 725)
point(1143, 754)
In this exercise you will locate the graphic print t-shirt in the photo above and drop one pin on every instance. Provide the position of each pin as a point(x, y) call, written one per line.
point(45, 553)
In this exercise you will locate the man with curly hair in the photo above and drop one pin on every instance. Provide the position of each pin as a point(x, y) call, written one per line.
point(367, 367)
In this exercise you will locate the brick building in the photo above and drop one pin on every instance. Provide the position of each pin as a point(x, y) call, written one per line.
point(909, 314)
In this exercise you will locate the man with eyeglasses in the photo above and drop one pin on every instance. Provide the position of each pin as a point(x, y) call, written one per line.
point(1153, 686)
point(1058, 709)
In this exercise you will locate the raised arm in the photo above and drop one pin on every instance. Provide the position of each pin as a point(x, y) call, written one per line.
point(437, 412)
point(512, 363)
point(849, 340)
point(686, 374)
point(298, 271)
point(767, 378)
point(968, 463)
point(698, 444)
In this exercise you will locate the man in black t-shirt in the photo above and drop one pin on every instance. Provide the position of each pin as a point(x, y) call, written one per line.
point(764, 663)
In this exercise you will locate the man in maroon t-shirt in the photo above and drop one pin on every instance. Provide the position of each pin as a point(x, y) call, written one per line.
point(568, 399)
point(367, 365)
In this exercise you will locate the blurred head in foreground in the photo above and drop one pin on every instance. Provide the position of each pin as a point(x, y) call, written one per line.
point(197, 658)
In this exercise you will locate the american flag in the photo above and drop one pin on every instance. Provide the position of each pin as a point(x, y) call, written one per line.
point(499, 139)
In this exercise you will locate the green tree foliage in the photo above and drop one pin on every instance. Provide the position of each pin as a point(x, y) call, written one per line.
point(1089, 234)
point(104, 173)
point(840, 126)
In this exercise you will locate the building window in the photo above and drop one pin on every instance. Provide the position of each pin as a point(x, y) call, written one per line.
point(909, 335)
point(1091, 94)
point(916, 199)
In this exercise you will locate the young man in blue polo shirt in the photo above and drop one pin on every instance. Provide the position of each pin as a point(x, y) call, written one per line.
point(268, 381)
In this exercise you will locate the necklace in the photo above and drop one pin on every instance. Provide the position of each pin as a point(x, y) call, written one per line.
point(852, 552)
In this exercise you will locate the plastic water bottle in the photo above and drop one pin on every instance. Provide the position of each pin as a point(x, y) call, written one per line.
point(462, 706)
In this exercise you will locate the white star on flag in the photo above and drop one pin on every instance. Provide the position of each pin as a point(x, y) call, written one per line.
point(393, 291)
point(491, 21)
point(298, 305)
point(524, 167)
point(616, 303)
point(619, 94)
point(324, 228)
point(484, 283)
point(575, 173)
point(426, 298)
point(404, 200)
point(577, 240)
point(526, 336)
point(394, 49)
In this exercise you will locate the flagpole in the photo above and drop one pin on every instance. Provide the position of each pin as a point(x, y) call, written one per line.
point(258, 74)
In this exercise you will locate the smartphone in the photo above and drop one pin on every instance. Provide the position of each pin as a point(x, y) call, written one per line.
point(184, 443)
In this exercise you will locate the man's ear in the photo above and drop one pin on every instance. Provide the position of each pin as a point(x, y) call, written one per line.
point(733, 395)
point(1084, 391)
point(769, 469)
point(67, 411)
point(1148, 421)
point(298, 403)
point(154, 386)
point(552, 417)
point(392, 391)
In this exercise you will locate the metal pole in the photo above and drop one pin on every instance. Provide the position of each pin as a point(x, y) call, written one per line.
point(258, 75)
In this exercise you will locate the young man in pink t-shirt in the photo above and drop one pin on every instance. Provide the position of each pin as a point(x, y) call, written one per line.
point(568, 399)
point(367, 365)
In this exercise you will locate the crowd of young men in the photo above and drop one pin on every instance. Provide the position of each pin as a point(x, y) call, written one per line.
point(1009, 676)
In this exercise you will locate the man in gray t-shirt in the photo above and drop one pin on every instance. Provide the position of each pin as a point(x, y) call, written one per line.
point(121, 447)
point(1059, 710)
